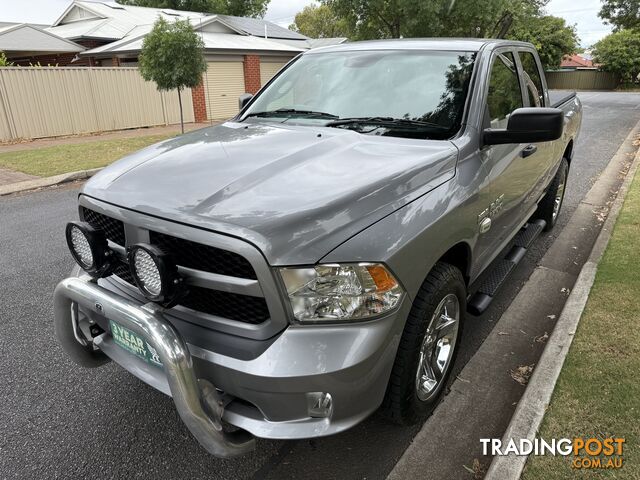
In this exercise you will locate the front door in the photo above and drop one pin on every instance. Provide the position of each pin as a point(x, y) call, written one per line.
point(514, 170)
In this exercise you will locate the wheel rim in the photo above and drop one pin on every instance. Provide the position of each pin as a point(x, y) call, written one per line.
point(559, 196)
point(437, 347)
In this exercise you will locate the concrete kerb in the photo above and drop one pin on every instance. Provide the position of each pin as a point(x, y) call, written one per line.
point(555, 270)
point(47, 182)
point(530, 411)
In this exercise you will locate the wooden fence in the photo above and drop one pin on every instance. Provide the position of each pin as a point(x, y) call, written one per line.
point(52, 101)
point(582, 80)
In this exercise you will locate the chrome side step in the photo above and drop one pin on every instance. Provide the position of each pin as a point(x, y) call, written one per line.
point(500, 271)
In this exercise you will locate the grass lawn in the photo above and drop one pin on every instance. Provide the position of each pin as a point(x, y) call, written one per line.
point(48, 161)
point(598, 392)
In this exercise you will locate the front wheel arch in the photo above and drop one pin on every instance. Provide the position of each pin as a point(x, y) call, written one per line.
point(401, 403)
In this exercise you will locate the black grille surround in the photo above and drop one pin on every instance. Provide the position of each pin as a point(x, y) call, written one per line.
point(197, 256)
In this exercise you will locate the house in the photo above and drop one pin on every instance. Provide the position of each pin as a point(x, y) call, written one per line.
point(577, 62)
point(242, 53)
point(25, 44)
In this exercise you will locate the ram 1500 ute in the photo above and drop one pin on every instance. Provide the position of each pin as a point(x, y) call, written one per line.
point(288, 272)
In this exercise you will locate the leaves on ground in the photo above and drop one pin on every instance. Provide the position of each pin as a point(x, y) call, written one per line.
point(478, 470)
point(522, 373)
point(542, 338)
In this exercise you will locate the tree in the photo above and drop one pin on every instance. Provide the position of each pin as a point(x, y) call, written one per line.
point(320, 21)
point(369, 19)
point(490, 18)
point(189, 5)
point(551, 36)
point(619, 52)
point(172, 57)
point(240, 8)
point(621, 13)
point(437, 18)
point(4, 62)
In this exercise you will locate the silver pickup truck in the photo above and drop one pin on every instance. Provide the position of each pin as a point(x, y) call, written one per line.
point(288, 272)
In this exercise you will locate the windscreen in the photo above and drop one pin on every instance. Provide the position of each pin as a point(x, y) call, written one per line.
point(425, 86)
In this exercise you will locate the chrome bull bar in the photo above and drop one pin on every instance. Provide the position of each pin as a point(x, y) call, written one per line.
point(196, 401)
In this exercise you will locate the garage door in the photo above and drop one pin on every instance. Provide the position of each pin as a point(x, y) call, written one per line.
point(268, 70)
point(223, 84)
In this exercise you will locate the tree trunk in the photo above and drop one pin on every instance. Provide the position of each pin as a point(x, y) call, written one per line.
point(504, 25)
point(181, 117)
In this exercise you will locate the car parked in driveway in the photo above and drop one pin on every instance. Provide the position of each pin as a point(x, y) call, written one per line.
point(294, 269)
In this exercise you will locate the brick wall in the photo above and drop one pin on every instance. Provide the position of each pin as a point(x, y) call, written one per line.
point(252, 73)
point(199, 103)
point(62, 59)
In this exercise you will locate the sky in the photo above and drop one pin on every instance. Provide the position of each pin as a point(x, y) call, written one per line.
point(584, 14)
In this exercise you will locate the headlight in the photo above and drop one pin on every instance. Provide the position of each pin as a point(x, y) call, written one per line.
point(89, 248)
point(340, 292)
point(155, 274)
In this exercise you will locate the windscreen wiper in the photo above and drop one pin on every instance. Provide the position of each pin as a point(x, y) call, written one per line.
point(292, 112)
point(384, 122)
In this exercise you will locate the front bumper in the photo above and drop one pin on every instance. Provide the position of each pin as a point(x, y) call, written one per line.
point(268, 396)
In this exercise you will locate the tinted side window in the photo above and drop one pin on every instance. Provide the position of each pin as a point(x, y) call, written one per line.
point(532, 79)
point(504, 90)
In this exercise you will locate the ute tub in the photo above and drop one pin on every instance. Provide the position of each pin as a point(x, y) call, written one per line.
point(268, 396)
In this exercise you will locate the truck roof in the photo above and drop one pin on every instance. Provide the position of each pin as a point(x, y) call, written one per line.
point(450, 44)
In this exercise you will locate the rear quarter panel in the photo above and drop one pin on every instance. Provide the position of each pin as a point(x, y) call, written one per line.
point(573, 121)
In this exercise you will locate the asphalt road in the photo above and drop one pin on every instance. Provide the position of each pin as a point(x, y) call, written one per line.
point(59, 421)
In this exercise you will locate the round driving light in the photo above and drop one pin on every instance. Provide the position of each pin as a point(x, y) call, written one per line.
point(155, 274)
point(147, 271)
point(80, 245)
point(89, 249)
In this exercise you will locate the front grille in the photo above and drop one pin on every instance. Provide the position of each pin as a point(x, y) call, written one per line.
point(112, 228)
point(203, 257)
point(242, 308)
point(122, 270)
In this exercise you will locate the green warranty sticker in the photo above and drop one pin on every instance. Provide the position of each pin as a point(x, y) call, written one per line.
point(125, 338)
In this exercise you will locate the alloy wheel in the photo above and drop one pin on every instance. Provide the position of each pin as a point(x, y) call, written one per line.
point(438, 347)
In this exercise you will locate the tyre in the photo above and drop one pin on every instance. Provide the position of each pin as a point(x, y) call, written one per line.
point(550, 205)
point(428, 346)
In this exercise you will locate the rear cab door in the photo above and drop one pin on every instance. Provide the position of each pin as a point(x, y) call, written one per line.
point(536, 95)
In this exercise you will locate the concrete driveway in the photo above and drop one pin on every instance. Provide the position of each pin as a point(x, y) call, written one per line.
point(60, 421)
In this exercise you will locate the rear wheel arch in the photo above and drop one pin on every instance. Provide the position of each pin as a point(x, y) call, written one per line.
point(568, 151)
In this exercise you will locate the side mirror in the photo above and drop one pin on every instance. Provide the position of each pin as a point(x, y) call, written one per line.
point(244, 99)
point(528, 125)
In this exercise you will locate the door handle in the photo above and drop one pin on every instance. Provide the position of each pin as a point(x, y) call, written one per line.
point(528, 150)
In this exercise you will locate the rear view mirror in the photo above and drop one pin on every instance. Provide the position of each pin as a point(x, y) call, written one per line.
point(244, 99)
point(528, 125)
